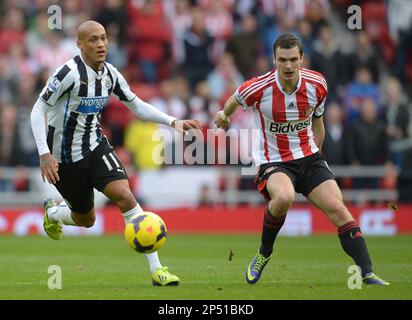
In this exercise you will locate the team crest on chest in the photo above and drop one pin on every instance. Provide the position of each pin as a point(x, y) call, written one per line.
point(107, 82)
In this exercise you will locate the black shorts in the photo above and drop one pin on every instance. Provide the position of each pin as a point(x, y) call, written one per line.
point(305, 173)
point(78, 179)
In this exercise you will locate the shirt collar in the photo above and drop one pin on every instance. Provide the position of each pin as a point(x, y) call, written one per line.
point(281, 87)
point(99, 74)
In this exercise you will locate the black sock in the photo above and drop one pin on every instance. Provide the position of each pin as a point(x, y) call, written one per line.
point(271, 227)
point(354, 245)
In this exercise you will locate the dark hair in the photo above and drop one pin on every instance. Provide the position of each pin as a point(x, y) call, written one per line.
point(287, 41)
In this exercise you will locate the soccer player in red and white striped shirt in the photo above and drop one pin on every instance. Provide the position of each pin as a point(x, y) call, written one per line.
point(288, 104)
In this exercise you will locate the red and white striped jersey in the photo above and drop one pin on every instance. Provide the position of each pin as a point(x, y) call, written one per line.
point(284, 120)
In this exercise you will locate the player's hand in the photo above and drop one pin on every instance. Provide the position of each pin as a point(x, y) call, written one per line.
point(221, 120)
point(185, 125)
point(49, 167)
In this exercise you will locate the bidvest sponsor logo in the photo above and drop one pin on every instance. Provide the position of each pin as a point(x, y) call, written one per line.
point(289, 127)
point(92, 105)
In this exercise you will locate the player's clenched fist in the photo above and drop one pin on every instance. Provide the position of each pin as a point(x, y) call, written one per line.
point(221, 120)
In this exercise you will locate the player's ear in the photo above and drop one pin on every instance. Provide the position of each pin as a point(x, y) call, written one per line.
point(79, 44)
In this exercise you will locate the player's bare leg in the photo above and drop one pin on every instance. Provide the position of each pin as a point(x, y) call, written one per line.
point(282, 194)
point(119, 193)
point(328, 198)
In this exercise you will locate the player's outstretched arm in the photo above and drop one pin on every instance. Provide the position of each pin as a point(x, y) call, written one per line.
point(146, 111)
point(222, 118)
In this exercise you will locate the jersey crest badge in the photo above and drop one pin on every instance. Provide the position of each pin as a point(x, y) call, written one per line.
point(107, 82)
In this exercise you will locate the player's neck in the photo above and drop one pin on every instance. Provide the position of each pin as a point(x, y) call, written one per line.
point(289, 85)
point(96, 66)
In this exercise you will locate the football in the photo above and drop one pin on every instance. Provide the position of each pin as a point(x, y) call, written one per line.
point(146, 232)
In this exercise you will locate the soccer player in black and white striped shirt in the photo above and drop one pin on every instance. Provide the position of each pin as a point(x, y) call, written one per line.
point(75, 156)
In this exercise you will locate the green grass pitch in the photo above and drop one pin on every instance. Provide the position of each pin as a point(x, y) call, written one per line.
point(312, 267)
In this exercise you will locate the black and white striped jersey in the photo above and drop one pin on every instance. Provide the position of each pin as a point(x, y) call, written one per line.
point(76, 95)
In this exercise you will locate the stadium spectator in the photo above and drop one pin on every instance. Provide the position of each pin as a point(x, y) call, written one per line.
point(198, 60)
point(205, 196)
point(9, 79)
point(317, 13)
point(364, 55)
point(54, 52)
point(35, 36)
point(305, 33)
point(219, 25)
point(395, 115)
point(292, 9)
point(113, 12)
point(368, 143)
point(334, 145)
point(139, 142)
point(116, 53)
point(21, 61)
point(274, 28)
point(329, 60)
point(361, 88)
point(181, 20)
point(224, 76)
point(244, 46)
point(202, 106)
point(168, 101)
point(150, 34)
point(11, 29)
point(24, 100)
point(10, 151)
point(242, 8)
point(400, 29)
point(405, 176)
point(74, 12)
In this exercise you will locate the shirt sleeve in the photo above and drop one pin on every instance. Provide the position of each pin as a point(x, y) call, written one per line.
point(248, 93)
point(321, 93)
point(56, 85)
point(320, 108)
point(121, 88)
point(148, 112)
point(38, 125)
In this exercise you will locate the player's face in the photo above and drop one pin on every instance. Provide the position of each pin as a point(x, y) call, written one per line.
point(94, 45)
point(288, 62)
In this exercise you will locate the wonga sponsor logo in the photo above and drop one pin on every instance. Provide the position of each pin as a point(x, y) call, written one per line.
point(92, 105)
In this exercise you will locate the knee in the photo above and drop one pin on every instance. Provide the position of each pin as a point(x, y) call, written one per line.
point(336, 208)
point(84, 220)
point(89, 222)
point(280, 204)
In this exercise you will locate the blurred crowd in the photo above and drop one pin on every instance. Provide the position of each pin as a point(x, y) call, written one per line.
point(187, 56)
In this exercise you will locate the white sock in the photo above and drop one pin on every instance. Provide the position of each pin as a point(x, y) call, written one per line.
point(128, 214)
point(154, 262)
point(152, 258)
point(61, 213)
